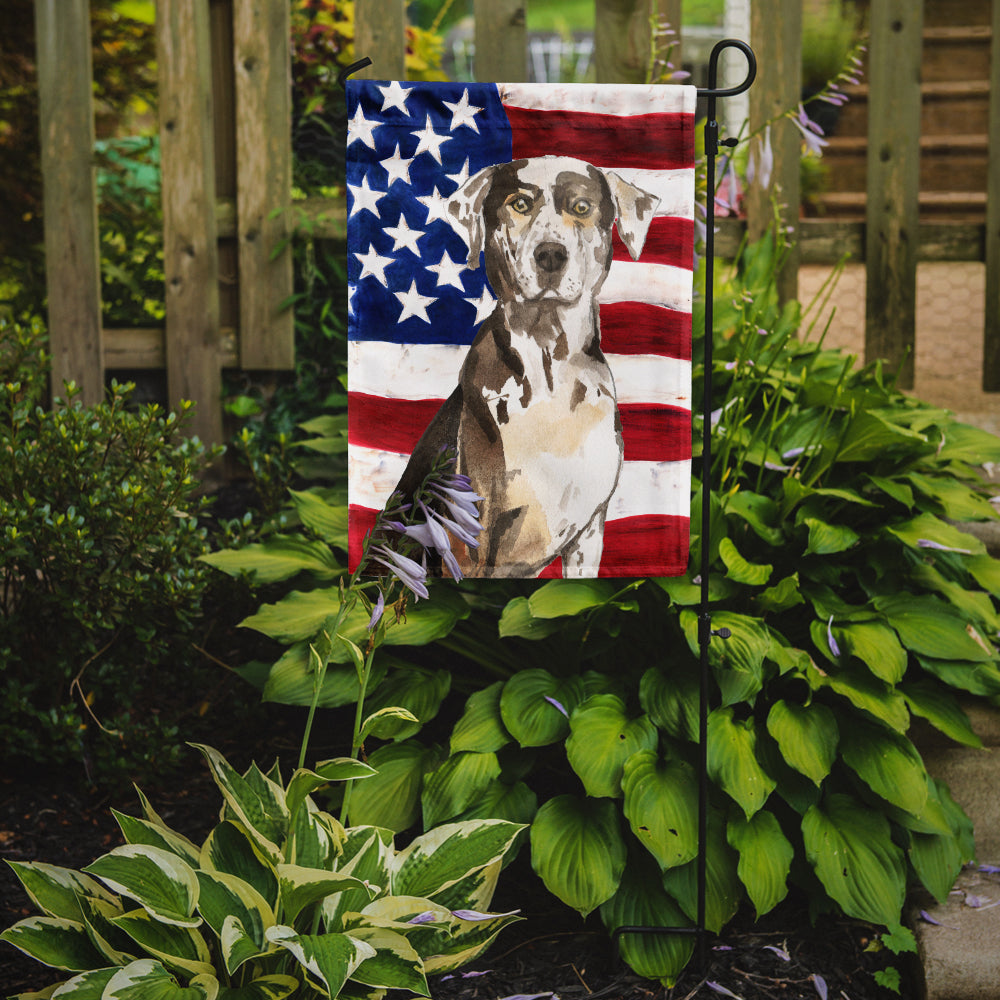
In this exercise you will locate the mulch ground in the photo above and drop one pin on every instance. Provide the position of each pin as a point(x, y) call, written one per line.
point(551, 953)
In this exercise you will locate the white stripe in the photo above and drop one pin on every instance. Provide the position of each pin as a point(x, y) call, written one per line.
point(604, 99)
point(643, 487)
point(653, 284)
point(431, 371)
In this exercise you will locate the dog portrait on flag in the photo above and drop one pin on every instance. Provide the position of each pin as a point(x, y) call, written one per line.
point(520, 270)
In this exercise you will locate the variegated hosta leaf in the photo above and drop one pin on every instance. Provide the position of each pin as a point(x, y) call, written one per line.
point(850, 847)
point(256, 801)
point(481, 727)
point(807, 736)
point(468, 939)
point(441, 857)
point(238, 945)
point(476, 890)
point(395, 964)
point(535, 706)
point(230, 849)
point(578, 851)
point(642, 902)
point(177, 947)
point(315, 838)
point(456, 784)
point(661, 799)
point(304, 782)
point(765, 858)
point(329, 959)
point(158, 880)
point(300, 887)
point(98, 915)
point(367, 853)
point(274, 987)
point(149, 980)
point(602, 737)
point(224, 897)
point(54, 941)
point(141, 831)
point(56, 891)
point(732, 760)
point(86, 986)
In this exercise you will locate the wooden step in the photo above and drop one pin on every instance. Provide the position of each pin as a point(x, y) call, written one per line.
point(956, 53)
point(958, 206)
point(947, 105)
point(940, 13)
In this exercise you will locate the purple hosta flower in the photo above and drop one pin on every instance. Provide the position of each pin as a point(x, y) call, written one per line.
point(780, 952)
point(427, 917)
point(811, 132)
point(820, 983)
point(475, 915)
point(719, 988)
point(727, 198)
point(460, 504)
point(761, 163)
point(990, 869)
point(377, 611)
point(927, 543)
point(834, 648)
point(558, 705)
point(465, 975)
point(410, 572)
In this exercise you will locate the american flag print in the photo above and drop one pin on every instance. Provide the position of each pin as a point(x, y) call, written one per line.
point(415, 303)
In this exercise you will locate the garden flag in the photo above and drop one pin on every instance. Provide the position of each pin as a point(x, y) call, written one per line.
point(520, 278)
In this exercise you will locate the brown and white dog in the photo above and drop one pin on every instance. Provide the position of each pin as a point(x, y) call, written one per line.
point(534, 418)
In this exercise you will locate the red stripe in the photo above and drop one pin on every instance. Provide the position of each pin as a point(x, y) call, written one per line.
point(670, 240)
point(386, 423)
point(653, 433)
point(640, 328)
point(645, 545)
point(658, 141)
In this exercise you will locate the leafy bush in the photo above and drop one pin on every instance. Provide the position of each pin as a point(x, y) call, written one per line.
point(99, 540)
point(854, 604)
point(279, 899)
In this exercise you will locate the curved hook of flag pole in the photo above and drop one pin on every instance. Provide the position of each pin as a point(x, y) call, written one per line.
point(352, 68)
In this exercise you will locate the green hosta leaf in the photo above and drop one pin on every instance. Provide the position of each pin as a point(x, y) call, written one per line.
point(528, 709)
point(976, 605)
point(752, 574)
point(765, 858)
point(738, 661)
point(864, 692)
point(56, 891)
point(147, 979)
point(395, 964)
point(684, 593)
point(301, 887)
point(292, 680)
point(941, 709)
point(986, 571)
point(438, 859)
point(391, 798)
point(481, 728)
point(279, 558)
point(732, 760)
point(260, 809)
point(760, 512)
point(976, 678)
point(159, 881)
point(517, 620)
point(928, 528)
point(304, 782)
point(456, 784)
point(850, 847)
point(641, 901)
point(783, 595)
point(723, 889)
point(558, 598)
point(330, 959)
point(327, 520)
point(275, 987)
point(54, 941)
point(671, 700)
point(807, 736)
point(931, 628)
point(180, 948)
point(958, 502)
point(141, 831)
point(870, 436)
point(225, 897)
point(827, 539)
point(516, 803)
point(876, 646)
point(888, 763)
point(965, 443)
point(937, 858)
point(578, 851)
point(230, 849)
point(415, 689)
point(893, 488)
point(602, 738)
point(661, 798)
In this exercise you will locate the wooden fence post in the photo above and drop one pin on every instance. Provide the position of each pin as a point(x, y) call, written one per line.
point(501, 41)
point(262, 60)
point(72, 255)
point(380, 34)
point(621, 40)
point(776, 34)
point(991, 333)
point(893, 183)
point(190, 251)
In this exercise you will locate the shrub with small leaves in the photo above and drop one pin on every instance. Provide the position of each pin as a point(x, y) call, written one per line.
point(100, 580)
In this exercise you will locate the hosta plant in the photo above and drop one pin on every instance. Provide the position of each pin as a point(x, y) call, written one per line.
point(279, 900)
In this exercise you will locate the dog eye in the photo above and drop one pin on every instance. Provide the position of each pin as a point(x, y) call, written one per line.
point(520, 204)
point(581, 207)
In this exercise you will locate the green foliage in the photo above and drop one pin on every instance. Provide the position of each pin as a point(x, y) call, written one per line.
point(279, 899)
point(101, 587)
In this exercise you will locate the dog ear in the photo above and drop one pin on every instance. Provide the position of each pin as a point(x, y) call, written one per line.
point(634, 209)
point(465, 212)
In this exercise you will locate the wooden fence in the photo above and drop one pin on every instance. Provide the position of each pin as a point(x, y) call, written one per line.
point(226, 160)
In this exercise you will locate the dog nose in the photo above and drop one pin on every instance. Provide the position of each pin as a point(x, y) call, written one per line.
point(551, 257)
